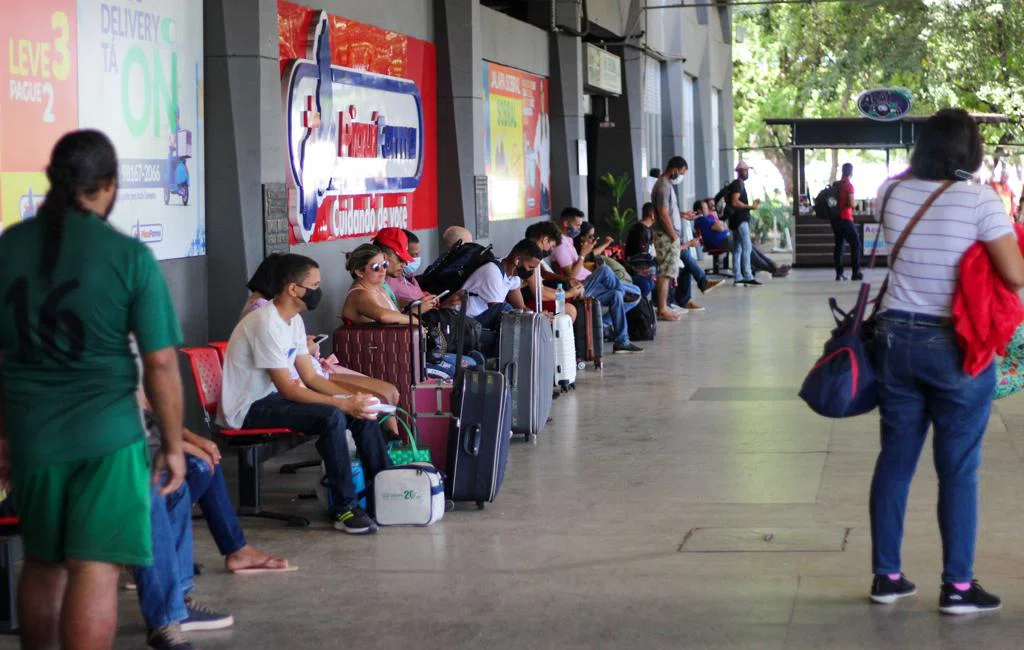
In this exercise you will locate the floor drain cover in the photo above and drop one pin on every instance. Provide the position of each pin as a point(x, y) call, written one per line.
point(765, 540)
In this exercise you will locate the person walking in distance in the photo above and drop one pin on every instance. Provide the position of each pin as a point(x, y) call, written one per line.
point(738, 209)
point(76, 291)
point(844, 229)
point(919, 362)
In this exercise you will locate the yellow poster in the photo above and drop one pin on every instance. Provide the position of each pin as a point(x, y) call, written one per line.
point(21, 193)
point(506, 164)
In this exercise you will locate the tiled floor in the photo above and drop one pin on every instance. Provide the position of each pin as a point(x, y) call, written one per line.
point(700, 440)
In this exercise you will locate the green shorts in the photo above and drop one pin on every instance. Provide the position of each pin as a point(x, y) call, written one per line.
point(92, 510)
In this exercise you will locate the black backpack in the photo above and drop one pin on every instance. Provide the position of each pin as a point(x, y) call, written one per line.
point(452, 269)
point(722, 201)
point(826, 204)
point(642, 321)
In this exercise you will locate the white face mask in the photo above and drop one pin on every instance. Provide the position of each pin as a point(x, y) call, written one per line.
point(678, 180)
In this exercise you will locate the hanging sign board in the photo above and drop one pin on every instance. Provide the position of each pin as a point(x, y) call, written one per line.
point(604, 71)
point(884, 104)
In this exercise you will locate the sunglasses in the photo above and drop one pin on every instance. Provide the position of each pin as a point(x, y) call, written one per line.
point(380, 266)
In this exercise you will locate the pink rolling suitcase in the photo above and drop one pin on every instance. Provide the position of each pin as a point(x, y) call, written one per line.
point(432, 400)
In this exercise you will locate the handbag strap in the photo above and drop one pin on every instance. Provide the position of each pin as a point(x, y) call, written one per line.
point(902, 239)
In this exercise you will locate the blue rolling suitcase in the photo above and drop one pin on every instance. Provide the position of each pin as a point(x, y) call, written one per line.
point(478, 448)
point(480, 432)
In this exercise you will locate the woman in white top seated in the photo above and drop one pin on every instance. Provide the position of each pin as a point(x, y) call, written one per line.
point(922, 382)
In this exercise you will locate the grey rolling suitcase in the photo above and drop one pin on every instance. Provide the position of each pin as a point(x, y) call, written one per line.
point(527, 359)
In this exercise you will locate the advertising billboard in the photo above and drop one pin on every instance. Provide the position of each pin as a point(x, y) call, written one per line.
point(132, 69)
point(360, 105)
point(518, 143)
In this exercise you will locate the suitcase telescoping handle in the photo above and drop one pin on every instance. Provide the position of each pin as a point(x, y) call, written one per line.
point(459, 379)
point(417, 367)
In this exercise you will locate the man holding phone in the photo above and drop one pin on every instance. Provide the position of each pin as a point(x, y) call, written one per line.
point(258, 391)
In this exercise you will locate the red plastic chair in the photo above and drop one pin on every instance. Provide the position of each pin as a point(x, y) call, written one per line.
point(207, 373)
point(222, 349)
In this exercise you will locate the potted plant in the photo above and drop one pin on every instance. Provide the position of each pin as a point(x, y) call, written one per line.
point(618, 220)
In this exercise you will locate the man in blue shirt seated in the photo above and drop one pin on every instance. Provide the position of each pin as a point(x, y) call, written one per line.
point(716, 236)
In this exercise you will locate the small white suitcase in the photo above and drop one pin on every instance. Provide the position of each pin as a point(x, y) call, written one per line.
point(565, 353)
point(409, 495)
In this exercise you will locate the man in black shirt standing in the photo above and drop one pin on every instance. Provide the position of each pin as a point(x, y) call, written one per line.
point(739, 222)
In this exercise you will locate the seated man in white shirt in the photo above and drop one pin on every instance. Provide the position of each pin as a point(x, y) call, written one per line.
point(493, 289)
point(258, 391)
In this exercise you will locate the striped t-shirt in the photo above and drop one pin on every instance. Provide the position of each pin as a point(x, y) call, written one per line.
point(923, 279)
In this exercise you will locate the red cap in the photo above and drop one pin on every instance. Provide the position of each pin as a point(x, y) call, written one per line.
point(395, 239)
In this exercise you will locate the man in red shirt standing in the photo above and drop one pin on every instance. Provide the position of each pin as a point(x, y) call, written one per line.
point(844, 228)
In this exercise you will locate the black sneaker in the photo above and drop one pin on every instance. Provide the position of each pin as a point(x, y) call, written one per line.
point(857, 277)
point(975, 599)
point(168, 637)
point(753, 283)
point(629, 348)
point(203, 619)
point(355, 522)
point(886, 591)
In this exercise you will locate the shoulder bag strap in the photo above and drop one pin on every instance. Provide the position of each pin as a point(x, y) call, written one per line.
point(898, 246)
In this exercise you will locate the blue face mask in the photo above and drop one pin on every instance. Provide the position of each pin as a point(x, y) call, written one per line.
point(574, 232)
point(413, 266)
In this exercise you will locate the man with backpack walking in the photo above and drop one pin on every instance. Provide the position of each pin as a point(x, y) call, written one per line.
point(844, 229)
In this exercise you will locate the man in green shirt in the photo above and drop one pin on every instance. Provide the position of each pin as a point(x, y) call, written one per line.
point(72, 292)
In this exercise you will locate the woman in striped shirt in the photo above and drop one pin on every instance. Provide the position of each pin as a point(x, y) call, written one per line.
point(920, 364)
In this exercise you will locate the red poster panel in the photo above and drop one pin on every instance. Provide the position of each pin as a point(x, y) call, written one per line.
point(361, 110)
point(39, 98)
point(537, 140)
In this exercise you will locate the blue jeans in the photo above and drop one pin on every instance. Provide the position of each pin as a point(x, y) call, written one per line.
point(605, 287)
point(209, 489)
point(327, 424)
point(922, 383)
point(162, 586)
point(630, 288)
point(742, 248)
point(691, 269)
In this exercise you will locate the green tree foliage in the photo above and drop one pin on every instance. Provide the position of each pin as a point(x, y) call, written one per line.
point(812, 60)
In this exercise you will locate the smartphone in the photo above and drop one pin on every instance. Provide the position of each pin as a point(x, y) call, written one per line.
point(441, 295)
point(319, 338)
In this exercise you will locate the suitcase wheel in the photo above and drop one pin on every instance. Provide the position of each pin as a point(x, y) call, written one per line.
point(581, 365)
point(598, 363)
point(479, 505)
point(449, 505)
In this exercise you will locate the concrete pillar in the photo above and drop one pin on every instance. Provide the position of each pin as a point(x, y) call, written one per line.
point(241, 60)
point(671, 112)
point(460, 115)
point(567, 123)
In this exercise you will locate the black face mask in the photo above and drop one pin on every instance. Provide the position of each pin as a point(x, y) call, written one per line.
point(524, 274)
point(545, 254)
point(312, 298)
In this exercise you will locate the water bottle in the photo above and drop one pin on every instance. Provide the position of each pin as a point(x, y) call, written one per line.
point(559, 300)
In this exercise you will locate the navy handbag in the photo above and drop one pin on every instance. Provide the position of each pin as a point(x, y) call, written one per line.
point(842, 383)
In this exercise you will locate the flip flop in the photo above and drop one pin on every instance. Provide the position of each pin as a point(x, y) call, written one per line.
point(265, 568)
